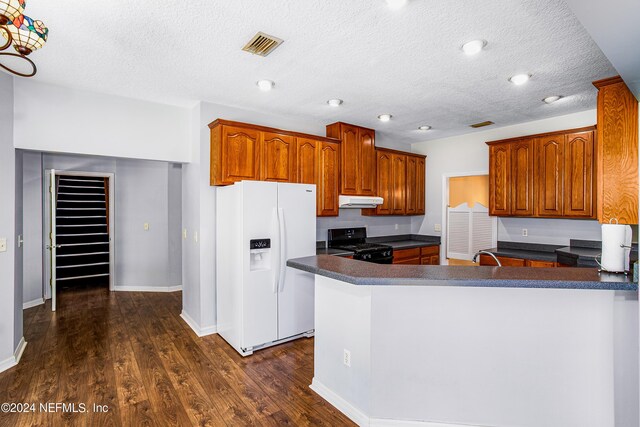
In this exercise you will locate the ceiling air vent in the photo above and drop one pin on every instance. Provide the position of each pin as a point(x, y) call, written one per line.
point(482, 124)
point(262, 44)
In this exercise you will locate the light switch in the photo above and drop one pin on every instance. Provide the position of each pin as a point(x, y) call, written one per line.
point(195, 237)
point(3, 244)
point(184, 234)
point(146, 226)
point(437, 227)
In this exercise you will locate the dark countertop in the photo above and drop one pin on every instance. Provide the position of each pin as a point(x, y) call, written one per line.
point(398, 242)
point(524, 254)
point(363, 273)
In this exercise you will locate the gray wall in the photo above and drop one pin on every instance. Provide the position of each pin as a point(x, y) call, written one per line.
point(376, 226)
point(145, 191)
point(10, 330)
point(18, 261)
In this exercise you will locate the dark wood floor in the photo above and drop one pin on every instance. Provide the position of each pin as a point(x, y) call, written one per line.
point(133, 353)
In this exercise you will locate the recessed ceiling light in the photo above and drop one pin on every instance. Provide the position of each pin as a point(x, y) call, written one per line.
point(385, 117)
point(520, 79)
point(424, 127)
point(551, 99)
point(396, 4)
point(265, 85)
point(335, 102)
point(473, 47)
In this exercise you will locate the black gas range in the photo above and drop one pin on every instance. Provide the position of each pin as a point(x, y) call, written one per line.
point(354, 240)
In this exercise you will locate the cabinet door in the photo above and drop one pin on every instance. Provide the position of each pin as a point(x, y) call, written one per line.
point(536, 263)
point(578, 175)
point(420, 186)
point(617, 152)
point(522, 178)
point(367, 163)
point(549, 175)
point(411, 197)
point(500, 179)
point(329, 175)
point(278, 158)
point(399, 173)
point(240, 154)
point(351, 159)
point(505, 261)
point(385, 183)
point(307, 161)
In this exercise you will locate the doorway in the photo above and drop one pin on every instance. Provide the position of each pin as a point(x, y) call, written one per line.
point(79, 229)
point(467, 226)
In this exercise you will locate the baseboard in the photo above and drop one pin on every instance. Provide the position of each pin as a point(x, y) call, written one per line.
point(360, 418)
point(17, 355)
point(120, 288)
point(355, 414)
point(201, 332)
point(32, 303)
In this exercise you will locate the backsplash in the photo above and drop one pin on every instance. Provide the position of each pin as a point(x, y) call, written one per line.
point(548, 230)
point(376, 225)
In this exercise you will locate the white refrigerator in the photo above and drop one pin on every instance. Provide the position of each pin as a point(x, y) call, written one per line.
point(260, 225)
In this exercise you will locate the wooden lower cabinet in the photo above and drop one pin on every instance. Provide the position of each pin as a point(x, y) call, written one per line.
point(426, 255)
point(430, 255)
point(515, 262)
point(407, 256)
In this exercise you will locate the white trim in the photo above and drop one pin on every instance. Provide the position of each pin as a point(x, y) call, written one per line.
point(382, 422)
point(15, 359)
point(32, 303)
point(354, 414)
point(201, 332)
point(125, 288)
point(360, 418)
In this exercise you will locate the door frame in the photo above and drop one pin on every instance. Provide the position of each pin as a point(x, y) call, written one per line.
point(46, 226)
point(445, 204)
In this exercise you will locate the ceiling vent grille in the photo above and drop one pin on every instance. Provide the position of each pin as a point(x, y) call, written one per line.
point(482, 124)
point(262, 44)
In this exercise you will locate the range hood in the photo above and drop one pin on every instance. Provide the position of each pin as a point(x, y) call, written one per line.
point(359, 202)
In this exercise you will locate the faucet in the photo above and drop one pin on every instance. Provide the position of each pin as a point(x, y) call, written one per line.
point(475, 257)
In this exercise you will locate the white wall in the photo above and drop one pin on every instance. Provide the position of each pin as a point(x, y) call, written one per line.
point(10, 330)
point(145, 191)
point(467, 153)
point(82, 122)
point(376, 226)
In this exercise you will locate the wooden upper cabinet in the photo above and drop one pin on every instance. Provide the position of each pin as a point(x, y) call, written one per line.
point(307, 160)
point(617, 152)
point(578, 175)
point(500, 179)
point(367, 139)
point(420, 186)
point(385, 182)
point(239, 152)
point(357, 173)
point(399, 173)
point(549, 175)
point(522, 178)
point(411, 197)
point(328, 178)
point(278, 158)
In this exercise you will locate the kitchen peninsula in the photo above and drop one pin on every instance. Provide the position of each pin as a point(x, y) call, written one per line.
point(461, 345)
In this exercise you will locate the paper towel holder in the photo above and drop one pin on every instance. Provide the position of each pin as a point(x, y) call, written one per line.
point(623, 246)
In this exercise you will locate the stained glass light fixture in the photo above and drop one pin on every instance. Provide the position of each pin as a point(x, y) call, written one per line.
point(24, 33)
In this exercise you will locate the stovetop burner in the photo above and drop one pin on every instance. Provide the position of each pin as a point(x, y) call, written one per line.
point(354, 240)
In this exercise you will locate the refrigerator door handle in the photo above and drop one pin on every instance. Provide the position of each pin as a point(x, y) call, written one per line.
point(283, 250)
point(276, 279)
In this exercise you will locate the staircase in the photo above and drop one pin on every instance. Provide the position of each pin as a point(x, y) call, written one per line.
point(82, 231)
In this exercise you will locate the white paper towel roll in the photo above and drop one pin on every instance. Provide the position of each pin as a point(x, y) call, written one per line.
point(615, 242)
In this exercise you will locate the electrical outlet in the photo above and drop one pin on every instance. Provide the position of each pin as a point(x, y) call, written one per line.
point(184, 234)
point(3, 244)
point(437, 227)
point(146, 226)
point(525, 232)
point(397, 226)
point(347, 358)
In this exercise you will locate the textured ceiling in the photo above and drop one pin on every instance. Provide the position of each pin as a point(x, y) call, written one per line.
point(407, 62)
